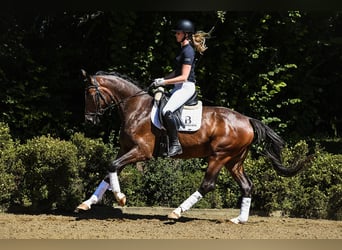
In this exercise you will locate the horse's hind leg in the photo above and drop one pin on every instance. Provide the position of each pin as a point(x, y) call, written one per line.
point(246, 186)
point(208, 184)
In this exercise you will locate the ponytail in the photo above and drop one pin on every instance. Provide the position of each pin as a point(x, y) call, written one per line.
point(199, 39)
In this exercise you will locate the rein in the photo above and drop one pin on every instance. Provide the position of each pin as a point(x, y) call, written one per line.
point(99, 95)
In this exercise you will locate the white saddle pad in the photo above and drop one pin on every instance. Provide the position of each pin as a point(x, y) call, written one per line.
point(191, 117)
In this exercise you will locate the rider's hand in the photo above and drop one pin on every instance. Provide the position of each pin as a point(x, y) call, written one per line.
point(158, 82)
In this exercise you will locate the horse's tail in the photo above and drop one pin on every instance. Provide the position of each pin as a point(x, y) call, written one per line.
point(272, 145)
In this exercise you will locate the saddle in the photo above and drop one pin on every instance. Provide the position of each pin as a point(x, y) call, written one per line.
point(161, 98)
point(188, 118)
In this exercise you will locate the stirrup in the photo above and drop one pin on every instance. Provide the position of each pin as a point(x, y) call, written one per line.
point(175, 150)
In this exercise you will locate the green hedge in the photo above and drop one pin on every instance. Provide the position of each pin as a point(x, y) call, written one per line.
point(8, 168)
point(309, 194)
point(96, 157)
point(47, 173)
point(50, 177)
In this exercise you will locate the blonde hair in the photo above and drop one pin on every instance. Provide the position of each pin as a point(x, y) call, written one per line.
point(199, 39)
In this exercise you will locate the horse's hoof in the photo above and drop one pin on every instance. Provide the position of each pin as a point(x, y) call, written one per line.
point(122, 201)
point(120, 198)
point(237, 221)
point(173, 216)
point(81, 207)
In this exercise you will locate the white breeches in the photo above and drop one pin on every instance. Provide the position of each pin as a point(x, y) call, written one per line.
point(179, 95)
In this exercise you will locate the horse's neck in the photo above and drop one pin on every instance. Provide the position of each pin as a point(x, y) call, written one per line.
point(128, 96)
point(120, 88)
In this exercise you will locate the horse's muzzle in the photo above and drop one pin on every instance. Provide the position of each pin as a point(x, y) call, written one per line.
point(93, 119)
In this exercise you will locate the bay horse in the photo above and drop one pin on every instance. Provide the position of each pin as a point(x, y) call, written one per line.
point(224, 138)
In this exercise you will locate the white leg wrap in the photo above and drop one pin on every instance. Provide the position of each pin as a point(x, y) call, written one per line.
point(244, 211)
point(115, 186)
point(114, 182)
point(92, 200)
point(98, 194)
point(188, 203)
point(245, 205)
point(101, 189)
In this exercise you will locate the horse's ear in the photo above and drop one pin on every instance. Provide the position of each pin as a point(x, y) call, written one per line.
point(84, 73)
point(86, 76)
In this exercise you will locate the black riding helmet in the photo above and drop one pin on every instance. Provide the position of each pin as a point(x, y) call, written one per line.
point(184, 25)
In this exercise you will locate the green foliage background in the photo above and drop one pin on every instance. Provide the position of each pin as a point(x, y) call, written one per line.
point(281, 67)
point(48, 173)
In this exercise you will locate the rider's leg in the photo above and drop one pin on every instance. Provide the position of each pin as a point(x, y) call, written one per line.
point(175, 147)
point(180, 94)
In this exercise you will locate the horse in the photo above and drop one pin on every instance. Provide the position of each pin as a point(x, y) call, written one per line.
point(224, 138)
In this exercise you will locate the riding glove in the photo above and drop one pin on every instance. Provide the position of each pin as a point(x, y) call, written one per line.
point(158, 82)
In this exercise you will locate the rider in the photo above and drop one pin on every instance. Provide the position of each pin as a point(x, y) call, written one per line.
point(182, 77)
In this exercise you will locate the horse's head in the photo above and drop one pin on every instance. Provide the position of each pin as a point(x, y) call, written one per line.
point(96, 102)
point(107, 90)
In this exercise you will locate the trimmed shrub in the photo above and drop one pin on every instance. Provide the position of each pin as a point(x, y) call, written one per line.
point(48, 173)
point(313, 193)
point(8, 168)
point(96, 155)
point(50, 179)
point(319, 193)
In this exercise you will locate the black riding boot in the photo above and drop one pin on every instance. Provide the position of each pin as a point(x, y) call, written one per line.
point(175, 147)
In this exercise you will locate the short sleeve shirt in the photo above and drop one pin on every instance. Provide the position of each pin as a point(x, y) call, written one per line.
point(186, 56)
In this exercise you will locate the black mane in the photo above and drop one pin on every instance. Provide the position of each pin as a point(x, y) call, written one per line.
point(123, 76)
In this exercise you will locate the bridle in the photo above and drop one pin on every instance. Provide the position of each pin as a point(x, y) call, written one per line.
point(99, 111)
point(98, 97)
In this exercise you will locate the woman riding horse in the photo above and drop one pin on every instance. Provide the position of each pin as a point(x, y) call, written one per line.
point(224, 138)
point(183, 77)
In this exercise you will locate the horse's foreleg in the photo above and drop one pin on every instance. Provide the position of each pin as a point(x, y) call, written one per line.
point(116, 167)
point(115, 186)
point(208, 184)
point(111, 181)
point(95, 197)
point(246, 187)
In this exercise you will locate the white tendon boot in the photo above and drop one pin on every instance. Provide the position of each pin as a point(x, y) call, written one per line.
point(244, 211)
point(115, 186)
point(186, 205)
point(95, 198)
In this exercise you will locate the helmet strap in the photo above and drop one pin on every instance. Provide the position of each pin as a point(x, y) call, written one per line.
point(184, 37)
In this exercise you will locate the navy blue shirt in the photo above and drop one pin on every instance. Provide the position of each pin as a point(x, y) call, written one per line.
point(186, 56)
